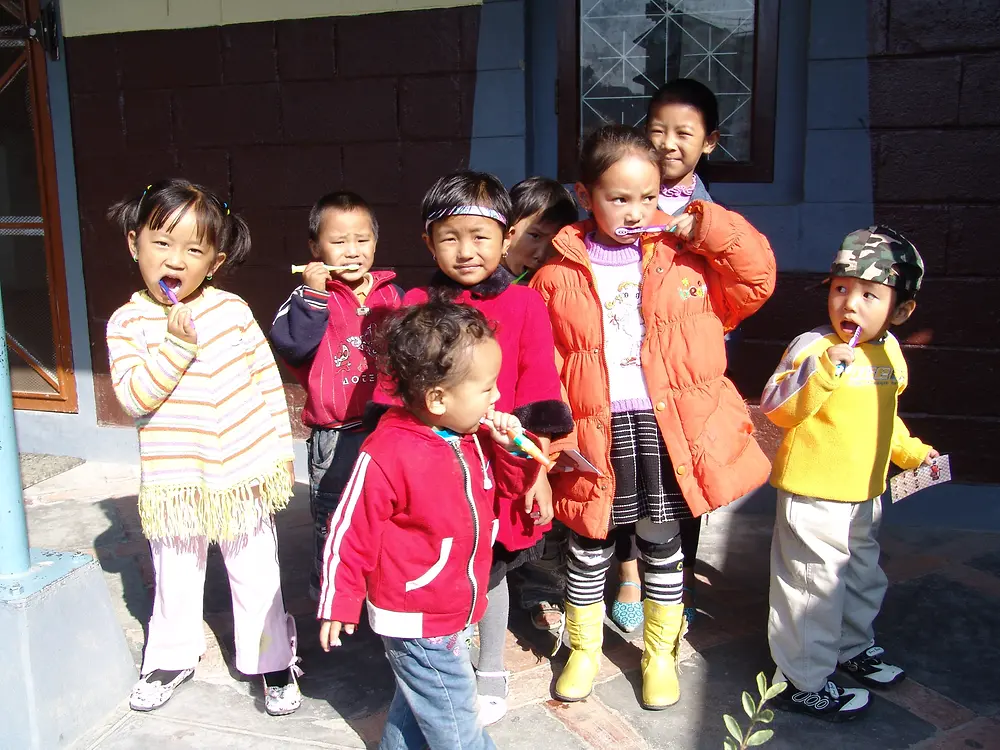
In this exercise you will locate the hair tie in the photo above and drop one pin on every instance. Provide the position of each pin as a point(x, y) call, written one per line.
point(139, 204)
point(443, 213)
point(226, 206)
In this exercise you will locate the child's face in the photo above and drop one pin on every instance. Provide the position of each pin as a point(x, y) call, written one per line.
point(461, 406)
point(467, 248)
point(530, 243)
point(345, 238)
point(854, 302)
point(678, 132)
point(624, 196)
point(178, 255)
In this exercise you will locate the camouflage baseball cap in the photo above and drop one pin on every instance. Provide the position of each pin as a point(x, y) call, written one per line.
point(882, 255)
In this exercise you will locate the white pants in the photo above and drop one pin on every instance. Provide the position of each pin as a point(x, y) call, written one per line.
point(826, 585)
point(265, 634)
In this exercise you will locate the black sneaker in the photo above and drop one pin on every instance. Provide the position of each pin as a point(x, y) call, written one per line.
point(869, 669)
point(831, 703)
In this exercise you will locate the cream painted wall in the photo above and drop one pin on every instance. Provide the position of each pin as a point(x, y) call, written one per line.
point(84, 17)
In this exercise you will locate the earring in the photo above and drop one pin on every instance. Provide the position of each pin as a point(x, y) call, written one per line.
point(209, 277)
point(135, 258)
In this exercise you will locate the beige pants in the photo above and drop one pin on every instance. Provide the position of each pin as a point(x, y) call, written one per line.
point(826, 585)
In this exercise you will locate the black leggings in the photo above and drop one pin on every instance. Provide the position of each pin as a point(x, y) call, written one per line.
point(627, 550)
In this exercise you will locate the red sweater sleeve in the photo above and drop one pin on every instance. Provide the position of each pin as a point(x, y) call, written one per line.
point(354, 542)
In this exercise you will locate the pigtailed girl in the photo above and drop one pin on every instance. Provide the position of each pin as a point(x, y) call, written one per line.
point(190, 364)
point(668, 432)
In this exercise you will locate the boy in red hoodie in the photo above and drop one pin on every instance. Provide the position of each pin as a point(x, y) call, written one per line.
point(414, 533)
point(324, 333)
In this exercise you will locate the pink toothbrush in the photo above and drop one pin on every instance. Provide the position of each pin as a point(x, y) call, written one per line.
point(172, 297)
point(626, 231)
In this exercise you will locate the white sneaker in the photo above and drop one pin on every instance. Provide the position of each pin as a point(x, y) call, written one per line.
point(491, 709)
point(285, 699)
point(149, 694)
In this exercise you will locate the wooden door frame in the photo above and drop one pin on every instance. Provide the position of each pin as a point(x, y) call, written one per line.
point(66, 399)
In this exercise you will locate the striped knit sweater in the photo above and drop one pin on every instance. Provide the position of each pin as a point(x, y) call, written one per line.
point(214, 434)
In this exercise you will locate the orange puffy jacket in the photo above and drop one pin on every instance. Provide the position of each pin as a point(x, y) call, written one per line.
point(702, 417)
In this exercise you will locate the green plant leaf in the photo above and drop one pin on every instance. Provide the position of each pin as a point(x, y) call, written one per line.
point(761, 684)
point(728, 744)
point(759, 738)
point(766, 716)
point(733, 727)
point(775, 690)
point(748, 704)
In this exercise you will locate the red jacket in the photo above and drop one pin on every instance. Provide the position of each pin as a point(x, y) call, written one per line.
point(414, 530)
point(528, 381)
point(326, 338)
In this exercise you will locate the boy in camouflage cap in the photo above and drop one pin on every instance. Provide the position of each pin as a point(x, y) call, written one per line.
point(834, 394)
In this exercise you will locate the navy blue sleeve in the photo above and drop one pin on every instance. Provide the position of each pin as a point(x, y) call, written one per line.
point(299, 326)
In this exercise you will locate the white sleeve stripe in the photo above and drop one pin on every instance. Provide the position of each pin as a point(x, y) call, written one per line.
point(339, 525)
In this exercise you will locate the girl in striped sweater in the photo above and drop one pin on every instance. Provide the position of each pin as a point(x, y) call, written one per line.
point(190, 364)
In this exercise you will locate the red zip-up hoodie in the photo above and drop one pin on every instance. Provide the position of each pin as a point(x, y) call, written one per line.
point(414, 529)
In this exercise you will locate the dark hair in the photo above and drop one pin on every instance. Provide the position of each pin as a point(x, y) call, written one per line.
point(169, 200)
point(466, 188)
point(426, 346)
point(342, 200)
point(694, 94)
point(609, 144)
point(545, 196)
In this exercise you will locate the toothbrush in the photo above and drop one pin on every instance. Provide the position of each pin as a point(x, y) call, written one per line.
point(626, 231)
point(839, 369)
point(172, 297)
point(523, 442)
point(352, 267)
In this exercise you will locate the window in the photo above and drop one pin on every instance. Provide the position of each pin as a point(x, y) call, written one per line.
point(614, 54)
point(32, 276)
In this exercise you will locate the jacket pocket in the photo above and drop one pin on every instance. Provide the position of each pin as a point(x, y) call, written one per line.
point(435, 570)
point(727, 431)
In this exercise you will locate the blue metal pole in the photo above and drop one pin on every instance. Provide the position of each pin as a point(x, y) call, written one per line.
point(14, 554)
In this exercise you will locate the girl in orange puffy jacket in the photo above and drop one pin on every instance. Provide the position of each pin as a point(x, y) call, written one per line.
point(640, 303)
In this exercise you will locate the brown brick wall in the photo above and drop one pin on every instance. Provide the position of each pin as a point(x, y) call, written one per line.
point(271, 115)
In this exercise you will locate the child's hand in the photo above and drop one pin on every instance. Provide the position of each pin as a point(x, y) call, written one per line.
point(499, 422)
point(540, 493)
point(931, 455)
point(841, 353)
point(315, 276)
point(290, 468)
point(685, 226)
point(329, 633)
point(180, 323)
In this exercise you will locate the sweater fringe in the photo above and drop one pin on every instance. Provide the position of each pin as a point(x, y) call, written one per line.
point(184, 511)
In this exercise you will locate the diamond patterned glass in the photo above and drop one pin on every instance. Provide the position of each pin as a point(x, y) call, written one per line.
point(629, 48)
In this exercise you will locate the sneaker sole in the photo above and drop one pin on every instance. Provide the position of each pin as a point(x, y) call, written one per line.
point(871, 683)
point(836, 717)
point(282, 713)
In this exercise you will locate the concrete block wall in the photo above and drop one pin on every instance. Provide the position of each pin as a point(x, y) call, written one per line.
point(935, 125)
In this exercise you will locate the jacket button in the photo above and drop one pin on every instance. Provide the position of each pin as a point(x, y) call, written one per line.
point(600, 425)
point(604, 486)
point(660, 406)
point(680, 470)
point(597, 351)
point(659, 269)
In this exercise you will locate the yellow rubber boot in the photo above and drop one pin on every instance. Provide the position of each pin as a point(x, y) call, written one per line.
point(585, 626)
point(661, 635)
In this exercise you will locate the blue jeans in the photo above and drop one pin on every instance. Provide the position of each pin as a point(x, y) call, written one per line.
point(435, 704)
point(332, 454)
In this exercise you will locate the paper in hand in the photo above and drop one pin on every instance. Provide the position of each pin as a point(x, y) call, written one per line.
point(906, 483)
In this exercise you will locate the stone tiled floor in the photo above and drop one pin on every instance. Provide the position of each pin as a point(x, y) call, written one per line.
point(940, 620)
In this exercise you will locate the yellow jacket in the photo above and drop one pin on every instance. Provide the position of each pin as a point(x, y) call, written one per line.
point(840, 432)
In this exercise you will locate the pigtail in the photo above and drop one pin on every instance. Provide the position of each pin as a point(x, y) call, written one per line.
point(125, 213)
point(236, 242)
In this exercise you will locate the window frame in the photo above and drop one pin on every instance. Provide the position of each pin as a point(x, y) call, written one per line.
point(760, 167)
point(65, 400)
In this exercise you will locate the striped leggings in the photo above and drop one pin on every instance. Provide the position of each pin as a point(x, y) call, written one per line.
point(660, 548)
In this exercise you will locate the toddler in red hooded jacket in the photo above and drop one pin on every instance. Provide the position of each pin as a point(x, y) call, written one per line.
point(413, 533)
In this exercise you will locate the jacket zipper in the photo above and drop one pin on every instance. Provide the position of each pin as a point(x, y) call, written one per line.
point(470, 570)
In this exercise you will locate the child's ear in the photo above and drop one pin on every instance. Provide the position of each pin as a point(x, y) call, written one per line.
point(711, 141)
point(434, 401)
point(430, 244)
point(507, 239)
point(131, 246)
point(314, 249)
point(220, 258)
point(903, 312)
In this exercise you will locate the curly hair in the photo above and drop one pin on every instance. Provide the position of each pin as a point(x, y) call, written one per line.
point(427, 346)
